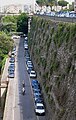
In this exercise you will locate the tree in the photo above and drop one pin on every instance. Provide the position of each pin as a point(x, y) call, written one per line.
point(9, 19)
point(41, 2)
point(9, 23)
point(22, 23)
point(6, 44)
point(62, 3)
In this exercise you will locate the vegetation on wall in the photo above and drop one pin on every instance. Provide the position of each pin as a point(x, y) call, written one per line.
point(53, 47)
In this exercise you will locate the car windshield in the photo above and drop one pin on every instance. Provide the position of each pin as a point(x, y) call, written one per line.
point(11, 73)
point(32, 73)
point(40, 107)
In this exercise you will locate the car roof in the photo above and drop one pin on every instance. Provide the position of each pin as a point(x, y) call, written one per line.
point(32, 71)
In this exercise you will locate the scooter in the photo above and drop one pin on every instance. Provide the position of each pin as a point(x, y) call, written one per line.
point(23, 84)
point(23, 91)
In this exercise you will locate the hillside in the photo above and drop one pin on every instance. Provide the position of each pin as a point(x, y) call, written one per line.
point(53, 51)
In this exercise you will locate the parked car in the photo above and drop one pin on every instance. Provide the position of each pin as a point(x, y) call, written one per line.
point(13, 54)
point(12, 60)
point(26, 38)
point(39, 109)
point(35, 90)
point(30, 66)
point(11, 68)
point(27, 59)
point(39, 100)
point(12, 64)
point(26, 46)
point(33, 74)
point(29, 70)
point(37, 96)
point(11, 74)
point(35, 82)
point(29, 62)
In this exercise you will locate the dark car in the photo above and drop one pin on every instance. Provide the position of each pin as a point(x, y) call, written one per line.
point(29, 70)
point(12, 60)
point(11, 74)
point(35, 82)
point(30, 66)
point(36, 86)
point(11, 68)
point(37, 96)
point(27, 59)
point(39, 100)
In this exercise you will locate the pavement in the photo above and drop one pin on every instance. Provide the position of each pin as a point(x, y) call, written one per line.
point(10, 93)
point(9, 97)
point(3, 84)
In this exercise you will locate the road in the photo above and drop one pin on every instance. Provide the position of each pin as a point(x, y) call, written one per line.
point(58, 19)
point(23, 106)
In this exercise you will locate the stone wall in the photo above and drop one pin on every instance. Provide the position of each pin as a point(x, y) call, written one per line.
point(53, 51)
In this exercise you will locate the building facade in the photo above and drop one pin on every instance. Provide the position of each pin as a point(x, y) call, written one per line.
point(29, 6)
point(13, 8)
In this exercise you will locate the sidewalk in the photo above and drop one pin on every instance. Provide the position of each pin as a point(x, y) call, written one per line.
point(4, 77)
point(10, 93)
point(3, 83)
point(9, 97)
point(8, 112)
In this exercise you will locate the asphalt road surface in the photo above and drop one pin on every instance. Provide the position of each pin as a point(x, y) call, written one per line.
point(23, 104)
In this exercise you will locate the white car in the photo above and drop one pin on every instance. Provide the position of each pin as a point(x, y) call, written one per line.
point(26, 46)
point(29, 62)
point(39, 109)
point(33, 74)
point(26, 38)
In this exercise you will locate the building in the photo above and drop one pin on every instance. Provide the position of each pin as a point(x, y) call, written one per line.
point(13, 8)
point(29, 6)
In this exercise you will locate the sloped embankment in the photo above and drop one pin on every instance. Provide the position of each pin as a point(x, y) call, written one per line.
point(53, 50)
